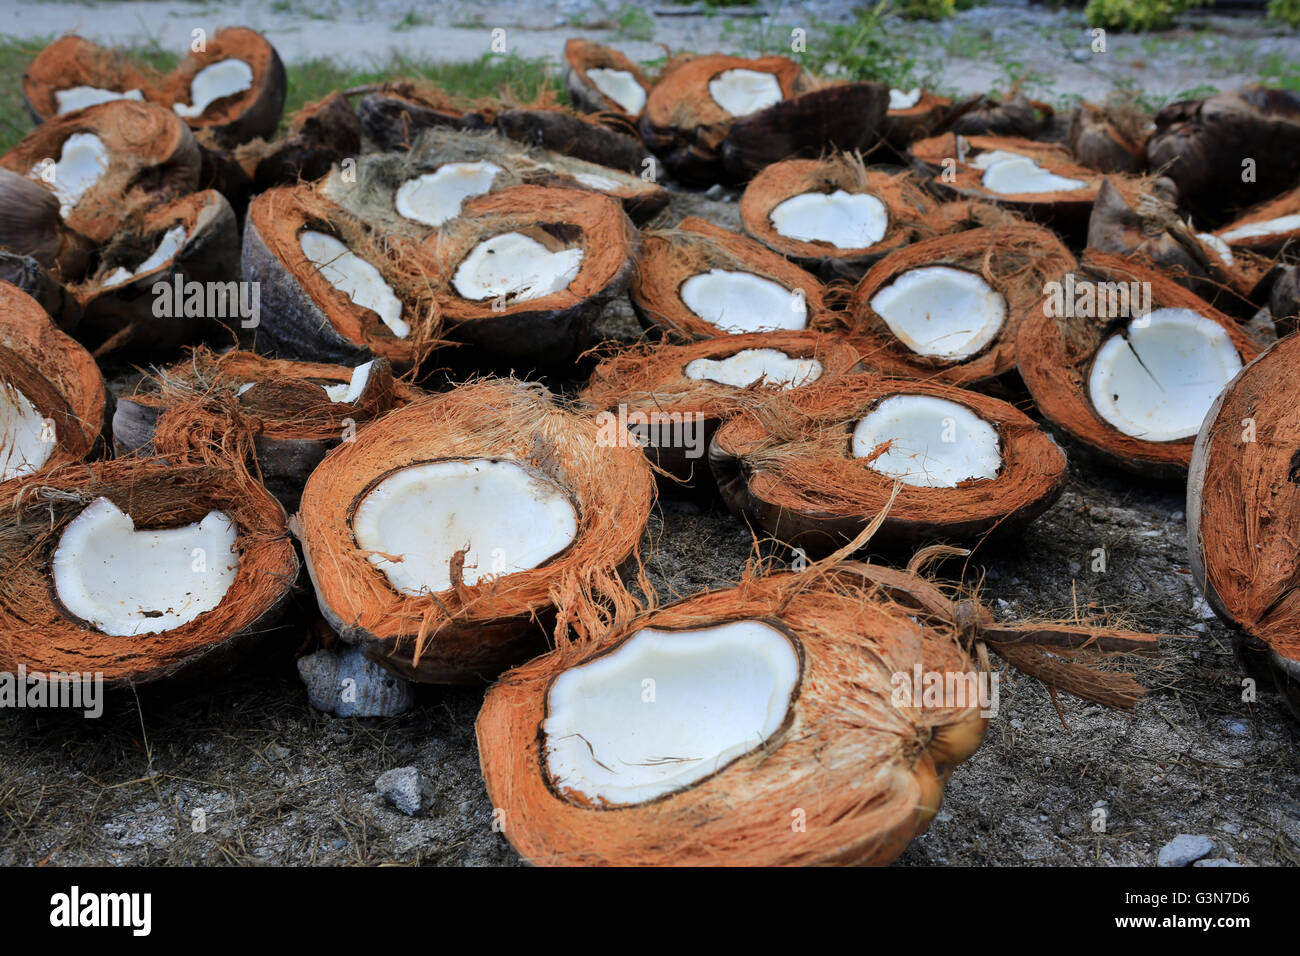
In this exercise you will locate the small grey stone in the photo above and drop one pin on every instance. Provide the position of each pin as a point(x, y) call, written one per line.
point(1217, 861)
point(1239, 727)
point(405, 788)
point(1185, 849)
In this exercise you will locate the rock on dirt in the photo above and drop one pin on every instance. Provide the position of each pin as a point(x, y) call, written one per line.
point(1185, 849)
point(407, 789)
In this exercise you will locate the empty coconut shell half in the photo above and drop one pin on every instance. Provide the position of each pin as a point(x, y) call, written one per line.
point(53, 403)
point(699, 281)
point(139, 570)
point(601, 78)
point(834, 216)
point(948, 309)
point(72, 73)
point(815, 468)
point(674, 397)
point(276, 417)
point(1243, 505)
point(1127, 363)
point(451, 536)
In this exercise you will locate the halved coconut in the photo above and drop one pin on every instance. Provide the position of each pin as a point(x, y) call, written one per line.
point(31, 224)
point(673, 397)
point(700, 281)
point(948, 309)
point(139, 570)
point(1012, 115)
point(1266, 229)
point(73, 73)
point(1127, 363)
point(394, 114)
point(319, 135)
point(31, 277)
point(523, 272)
point(913, 114)
point(606, 139)
point(108, 162)
point(601, 78)
point(1110, 138)
point(448, 537)
point(1243, 508)
point(234, 88)
point(331, 290)
point(833, 216)
point(276, 417)
point(814, 469)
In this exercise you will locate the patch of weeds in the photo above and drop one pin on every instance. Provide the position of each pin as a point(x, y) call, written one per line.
point(927, 9)
point(1276, 70)
point(410, 21)
point(1136, 16)
point(1287, 11)
point(866, 50)
point(632, 22)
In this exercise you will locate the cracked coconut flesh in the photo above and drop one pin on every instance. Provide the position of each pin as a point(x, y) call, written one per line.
point(354, 277)
point(1157, 379)
point(904, 99)
point(717, 693)
point(620, 86)
point(171, 243)
point(941, 312)
point(25, 445)
point(845, 220)
point(927, 442)
point(510, 519)
point(1011, 174)
point(128, 582)
point(1267, 227)
point(516, 266)
point(79, 97)
point(214, 82)
point(82, 161)
point(433, 198)
point(741, 92)
point(772, 367)
point(348, 391)
point(737, 302)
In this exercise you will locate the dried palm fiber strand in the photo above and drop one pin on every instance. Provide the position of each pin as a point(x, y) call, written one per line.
point(1110, 138)
point(581, 56)
point(1206, 145)
point(31, 227)
point(31, 277)
point(1056, 352)
point(1243, 510)
point(471, 631)
point(789, 467)
point(194, 239)
point(53, 375)
point(652, 388)
point(906, 207)
point(1012, 115)
point(511, 322)
point(1271, 229)
point(902, 126)
point(72, 61)
point(1015, 262)
point(304, 315)
point(319, 135)
point(148, 157)
point(671, 257)
point(272, 416)
point(38, 632)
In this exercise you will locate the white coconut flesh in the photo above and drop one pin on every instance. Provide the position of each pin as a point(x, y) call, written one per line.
point(1265, 227)
point(1011, 174)
point(127, 582)
point(79, 97)
point(514, 265)
point(352, 389)
point(928, 442)
point(941, 312)
point(82, 161)
point(598, 181)
point(774, 368)
point(508, 517)
point(433, 198)
point(736, 302)
point(25, 442)
point(168, 246)
point(216, 81)
point(904, 99)
point(1219, 247)
point(1157, 379)
point(620, 86)
point(843, 219)
point(354, 277)
point(741, 92)
point(666, 709)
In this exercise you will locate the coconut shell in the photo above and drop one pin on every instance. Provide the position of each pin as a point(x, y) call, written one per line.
point(1273, 245)
point(33, 278)
point(30, 225)
point(1102, 141)
point(1013, 115)
point(320, 135)
point(583, 55)
point(471, 633)
point(582, 137)
point(915, 122)
point(240, 117)
point(73, 61)
point(37, 633)
point(394, 115)
point(786, 468)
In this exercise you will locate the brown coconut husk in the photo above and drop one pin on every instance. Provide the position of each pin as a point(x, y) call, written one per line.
point(279, 429)
point(394, 114)
point(1055, 356)
point(74, 61)
point(471, 632)
point(786, 468)
point(648, 381)
point(241, 117)
point(554, 328)
point(31, 277)
point(671, 256)
point(36, 632)
point(319, 135)
point(606, 139)
point(583, 55)
point(1012, 115)
point(1243, 505)
point(303, 316)
point(1017, 261)
point(30, 225)
point(961, 215)
point(1109, 138)
point(916, 122)
point(1274, 245)
point(153, 159)
point(907, 204)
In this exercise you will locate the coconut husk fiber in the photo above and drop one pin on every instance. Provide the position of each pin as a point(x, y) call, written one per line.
point(907, 204)
point(240, 117)
point(1017, 261)
point(34, 512)
point(471, 632)
point(1055, 356)
point(671, 256)
point(786, 467)
point(319, 135)
point(583, 55)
